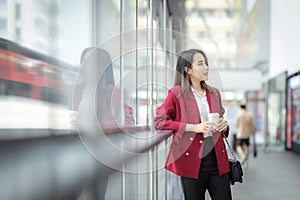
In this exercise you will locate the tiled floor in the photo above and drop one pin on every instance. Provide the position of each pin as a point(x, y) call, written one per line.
point(272, 175)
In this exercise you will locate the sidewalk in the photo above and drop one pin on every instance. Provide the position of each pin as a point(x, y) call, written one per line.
point(274, 175)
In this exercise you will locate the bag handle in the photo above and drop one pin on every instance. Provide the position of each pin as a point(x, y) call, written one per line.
point(230, 149)
point(232, 153)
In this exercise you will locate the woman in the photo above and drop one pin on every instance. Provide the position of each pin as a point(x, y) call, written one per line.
point(98, 100)
point(95, 85)
point(197, 152)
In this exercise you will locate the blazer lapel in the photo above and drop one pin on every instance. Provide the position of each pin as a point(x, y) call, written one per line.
point(212, 102)
point(190, 108)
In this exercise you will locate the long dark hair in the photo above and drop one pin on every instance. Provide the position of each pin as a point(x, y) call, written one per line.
point(104, 62)
point(105, 75)
point(185, 59)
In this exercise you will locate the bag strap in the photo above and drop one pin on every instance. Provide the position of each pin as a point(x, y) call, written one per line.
point(230, 149)
point(232, 153)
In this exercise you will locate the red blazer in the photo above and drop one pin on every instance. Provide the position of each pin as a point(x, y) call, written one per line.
point(184, 158)
point(109, 112)
point(111, 109)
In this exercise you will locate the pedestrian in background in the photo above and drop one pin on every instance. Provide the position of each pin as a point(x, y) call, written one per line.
point(246, 127)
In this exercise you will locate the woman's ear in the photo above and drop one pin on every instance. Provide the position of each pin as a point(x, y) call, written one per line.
point(187, 70)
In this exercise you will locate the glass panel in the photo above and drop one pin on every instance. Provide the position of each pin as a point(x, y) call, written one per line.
point(63, 83)
point(276, 110)
point(294, 110)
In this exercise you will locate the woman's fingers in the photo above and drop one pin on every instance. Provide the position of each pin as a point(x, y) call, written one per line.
point(211, 127)
point(222, 124)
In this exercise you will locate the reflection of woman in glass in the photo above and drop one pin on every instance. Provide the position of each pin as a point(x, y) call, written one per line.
point(197, 153)
point(98, 101)
point(105, 100)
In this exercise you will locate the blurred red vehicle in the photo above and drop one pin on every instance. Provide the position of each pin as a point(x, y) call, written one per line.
point(28, 73)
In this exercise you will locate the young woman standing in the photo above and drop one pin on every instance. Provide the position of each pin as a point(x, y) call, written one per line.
point(197, 152)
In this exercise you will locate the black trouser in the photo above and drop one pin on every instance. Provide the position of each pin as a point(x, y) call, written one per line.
point(217, 186)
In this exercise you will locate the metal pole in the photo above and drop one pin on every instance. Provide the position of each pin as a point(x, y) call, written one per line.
point(166, 79)
point(136, 91)
point(150, 112)
point(122, 117)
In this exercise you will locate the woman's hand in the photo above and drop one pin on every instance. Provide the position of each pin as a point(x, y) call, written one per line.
point(204, 127)
point(222, 125)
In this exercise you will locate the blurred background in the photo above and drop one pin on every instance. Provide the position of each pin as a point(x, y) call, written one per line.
point(253, 48)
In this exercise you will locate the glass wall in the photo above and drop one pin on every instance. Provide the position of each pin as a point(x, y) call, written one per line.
point(137, 35)
point(276, 110)
point(256, 106)
point(46, 74)
point(293, 113)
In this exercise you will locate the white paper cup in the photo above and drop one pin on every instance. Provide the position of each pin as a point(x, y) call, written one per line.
point(213, 117)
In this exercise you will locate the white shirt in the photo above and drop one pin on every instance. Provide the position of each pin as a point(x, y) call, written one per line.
point(203, 107)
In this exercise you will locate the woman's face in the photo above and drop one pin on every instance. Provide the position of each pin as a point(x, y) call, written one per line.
point(199, 70)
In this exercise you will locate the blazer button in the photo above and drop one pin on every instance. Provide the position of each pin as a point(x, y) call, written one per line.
point(187, 153)
point(201, 141)
point(223, 151)
point(191, 138)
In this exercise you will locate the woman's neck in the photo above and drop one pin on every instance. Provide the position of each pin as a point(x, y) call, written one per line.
point(198, 88)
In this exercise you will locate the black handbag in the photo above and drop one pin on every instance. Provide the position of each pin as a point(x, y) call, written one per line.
point(236, 170)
